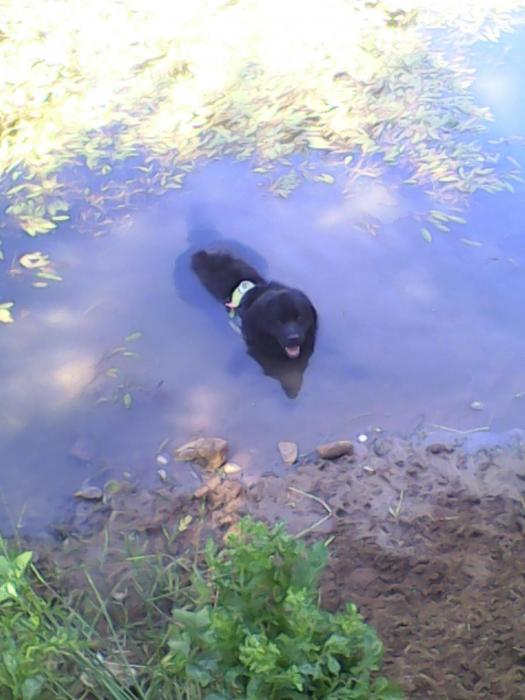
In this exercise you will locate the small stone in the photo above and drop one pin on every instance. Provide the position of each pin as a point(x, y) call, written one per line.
point(162, 459)
point(90, 493)
point(362, 438)
point(288, 451)
point(438, 448)
point(333, 450)
point(477, 405)
point(210, 485)
point(382, 446)
point(162, 474)
point(208, 452)
point(214, 483)
point(369, 470)
point(231, 468)
point(202, 491)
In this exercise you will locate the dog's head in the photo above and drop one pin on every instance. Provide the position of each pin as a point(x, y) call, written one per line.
point(284, 316)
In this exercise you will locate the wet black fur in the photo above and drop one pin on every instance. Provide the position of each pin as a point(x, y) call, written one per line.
point(273, 315)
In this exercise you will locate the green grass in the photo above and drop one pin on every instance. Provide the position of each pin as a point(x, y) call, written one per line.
point(245, 623)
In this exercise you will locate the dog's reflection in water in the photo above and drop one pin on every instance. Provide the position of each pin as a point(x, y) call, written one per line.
point(289, 373)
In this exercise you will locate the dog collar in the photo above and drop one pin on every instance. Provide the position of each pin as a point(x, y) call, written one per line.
point(238, 295)
point(236, 298)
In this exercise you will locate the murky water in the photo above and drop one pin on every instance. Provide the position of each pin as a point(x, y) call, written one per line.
point(410, 332)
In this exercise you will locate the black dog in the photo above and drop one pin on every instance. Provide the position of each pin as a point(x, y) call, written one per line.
point(277, 322)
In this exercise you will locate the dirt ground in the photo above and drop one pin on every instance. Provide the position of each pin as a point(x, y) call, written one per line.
point(426, 537)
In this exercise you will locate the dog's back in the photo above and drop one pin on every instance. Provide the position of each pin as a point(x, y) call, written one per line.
point(220, 272)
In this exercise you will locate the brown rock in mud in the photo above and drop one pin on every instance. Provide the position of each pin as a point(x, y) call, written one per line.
point(438, 448)
point(333, 450)
point(288, 451)
point(208, 452)
point(210, 485)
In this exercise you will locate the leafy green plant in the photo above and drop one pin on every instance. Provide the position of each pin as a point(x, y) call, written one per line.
point(29, 647)
point(259, 632)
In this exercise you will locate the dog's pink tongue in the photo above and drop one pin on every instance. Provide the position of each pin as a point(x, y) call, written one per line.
point(293, 351)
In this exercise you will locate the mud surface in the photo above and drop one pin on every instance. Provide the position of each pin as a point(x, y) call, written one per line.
point(426, 536)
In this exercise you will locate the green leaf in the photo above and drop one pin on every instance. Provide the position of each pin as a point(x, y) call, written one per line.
point(190, 619)
point(32, 687)
point(132, 337)
point(23, 560)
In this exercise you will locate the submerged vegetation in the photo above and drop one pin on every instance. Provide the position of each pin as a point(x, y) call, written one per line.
point(245, 624)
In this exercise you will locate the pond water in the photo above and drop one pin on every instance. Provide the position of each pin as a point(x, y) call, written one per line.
point(410, 332)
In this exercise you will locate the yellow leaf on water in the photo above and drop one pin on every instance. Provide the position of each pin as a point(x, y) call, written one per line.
point(324, 177)
point(427, 236)
point(5, 312)
point(34, 260)
point(49, 276)
point(318, 142)
point(33, 225)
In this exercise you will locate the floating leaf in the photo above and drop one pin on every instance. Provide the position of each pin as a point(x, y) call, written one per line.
point(49, 276)
point(427, 236)
point(32, 261)
point(5, 312)
point(318, 142)
point(324, 177)
point(471, 243)
point(36, 225)
point(132, 337)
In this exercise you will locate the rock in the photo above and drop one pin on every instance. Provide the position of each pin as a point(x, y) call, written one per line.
point(382, 446)
point(288, 451)
point(333, 450)
point(210, 485)
point(231, 468)
point(201, 492)
point(214, 483)
point(90, 493)
point(438, 448)
point(208, 452)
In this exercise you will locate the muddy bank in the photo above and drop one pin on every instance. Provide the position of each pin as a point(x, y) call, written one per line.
point(426, 536)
